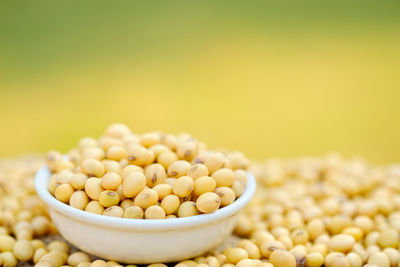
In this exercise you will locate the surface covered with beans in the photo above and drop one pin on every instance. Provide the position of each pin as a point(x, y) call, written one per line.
point(148, 176)
point(306, 212)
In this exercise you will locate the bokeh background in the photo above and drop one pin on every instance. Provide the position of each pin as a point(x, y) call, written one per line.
point(270, 78)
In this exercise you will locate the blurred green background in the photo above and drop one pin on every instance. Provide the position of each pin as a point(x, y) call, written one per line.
point(270, 78)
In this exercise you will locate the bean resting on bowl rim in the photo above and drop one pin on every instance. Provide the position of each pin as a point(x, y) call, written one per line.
point(148, 176)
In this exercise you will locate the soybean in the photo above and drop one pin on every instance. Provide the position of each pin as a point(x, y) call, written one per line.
point(79, 200)
point(146, 198)
point(155, 174)
point(170, 204)
point(111, 180)
point(203, 185)
point(178, 168)
point(133, 212)
point(133, 184)
point(187, 208)
point(114, 211)
point(154, 212)
point(183, 186)
point(208, 202)
point(226, 195)
point(108, 198)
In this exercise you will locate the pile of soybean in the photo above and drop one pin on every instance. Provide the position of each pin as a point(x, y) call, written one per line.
point(307, 212)
point(148, 176)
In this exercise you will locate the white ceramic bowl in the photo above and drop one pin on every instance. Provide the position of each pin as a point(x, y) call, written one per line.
point(137, 240)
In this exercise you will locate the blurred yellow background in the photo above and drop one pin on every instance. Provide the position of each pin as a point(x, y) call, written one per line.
point(267, 78)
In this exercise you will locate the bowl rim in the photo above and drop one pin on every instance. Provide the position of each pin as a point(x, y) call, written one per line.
point(41, 184)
